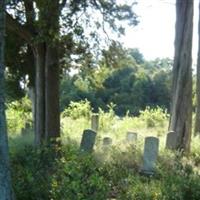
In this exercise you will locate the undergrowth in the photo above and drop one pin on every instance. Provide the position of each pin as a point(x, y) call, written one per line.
point(63, 173)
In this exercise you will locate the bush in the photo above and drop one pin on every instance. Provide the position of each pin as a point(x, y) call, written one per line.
point(78, 109)
point(107, 119)
point(65, 173)
point(154, 117)
point(18, 114)
point(42, 175)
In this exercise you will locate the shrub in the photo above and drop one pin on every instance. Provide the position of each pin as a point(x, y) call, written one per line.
point(38, 174)
point(107, 119)
point(154, 117)
point(18, 114)
point(78, 109)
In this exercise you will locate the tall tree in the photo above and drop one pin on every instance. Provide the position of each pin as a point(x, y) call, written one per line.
point(197, 119)
point(181, 110)
point(5, 178)
point(39, 23)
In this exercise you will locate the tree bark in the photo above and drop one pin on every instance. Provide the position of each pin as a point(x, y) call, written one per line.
point(52, 111)
point(197, 119)
point(47, 93)
point(40, 94)
point(181, 111)
point(52, 117)
point(5, 177)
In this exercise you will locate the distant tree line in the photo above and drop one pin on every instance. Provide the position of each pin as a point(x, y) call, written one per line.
point(122, 77)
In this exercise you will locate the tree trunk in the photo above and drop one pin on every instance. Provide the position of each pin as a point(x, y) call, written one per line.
point(181, 111)
point(5, 178)
point(197, 119)
point(40, 94)
point(31, 95)
point(52, 114)
point(47, 124)
point(47, 93)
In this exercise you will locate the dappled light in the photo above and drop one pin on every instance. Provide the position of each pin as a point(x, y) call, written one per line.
point(92, 105)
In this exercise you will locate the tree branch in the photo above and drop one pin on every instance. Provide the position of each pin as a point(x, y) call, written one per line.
point(62, 5)
point(13, 25)
point(30, 13)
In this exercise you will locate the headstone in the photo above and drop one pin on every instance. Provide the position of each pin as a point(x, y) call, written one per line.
point(88, 140)
point(107, 141)
point(95, 122)
point(150, 155)
point(171, 140)
point(131, 137)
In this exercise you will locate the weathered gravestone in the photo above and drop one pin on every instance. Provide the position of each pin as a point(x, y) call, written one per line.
point(88, 140)
point(95, 122)
point(107, 141)
point(150, 155)
point(171, 140)
point(131, 137)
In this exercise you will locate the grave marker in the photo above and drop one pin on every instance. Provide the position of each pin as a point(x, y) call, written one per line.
point(171, 140)
point(150, 155)
point(95, 122)
point(107, 141)
point(131, 136)
point(88, 140)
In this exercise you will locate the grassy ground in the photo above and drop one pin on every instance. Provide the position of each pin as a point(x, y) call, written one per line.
point(110, 174)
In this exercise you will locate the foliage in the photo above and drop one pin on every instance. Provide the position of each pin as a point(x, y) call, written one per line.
point(18, 115)
point(72, 175)
point(78, 109)
point(154, 117)
point(107, 119)
point(180, 179)
point(65, 173)
point(38, 175)
point(127, 80)
point(80, 24)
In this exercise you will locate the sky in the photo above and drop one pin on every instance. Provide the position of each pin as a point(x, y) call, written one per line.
point(154, 36)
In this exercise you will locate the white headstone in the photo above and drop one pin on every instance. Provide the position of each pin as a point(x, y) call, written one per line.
point(131, 137)
point(150, 155)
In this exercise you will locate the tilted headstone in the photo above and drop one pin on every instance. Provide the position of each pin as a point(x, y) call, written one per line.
point(88, 140)
point(131, 136)
point(150, 155)
point(107, 141)
point(171, 140)
point(95, 122)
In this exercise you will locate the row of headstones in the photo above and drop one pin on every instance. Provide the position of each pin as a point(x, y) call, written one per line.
point(170, 142)
point(151, 146)
point(131, 136)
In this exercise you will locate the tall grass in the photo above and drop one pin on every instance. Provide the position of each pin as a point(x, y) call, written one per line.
point(111, 173)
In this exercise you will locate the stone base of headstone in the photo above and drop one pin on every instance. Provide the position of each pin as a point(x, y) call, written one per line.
point(147, 173)
point(171, 140)
point(88, 140)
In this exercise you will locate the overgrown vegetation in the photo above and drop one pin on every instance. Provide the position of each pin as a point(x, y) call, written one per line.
point(104, 174)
